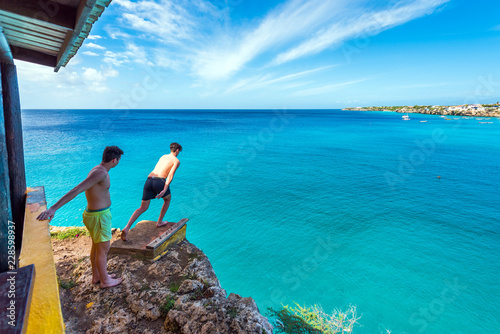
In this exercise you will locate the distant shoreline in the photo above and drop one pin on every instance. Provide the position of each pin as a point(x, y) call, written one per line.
point(474, 110)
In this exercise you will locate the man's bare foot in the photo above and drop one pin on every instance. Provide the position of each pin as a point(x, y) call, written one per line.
point(162, 224)
point(112, 282)
point(96, 281)
point(124, 235)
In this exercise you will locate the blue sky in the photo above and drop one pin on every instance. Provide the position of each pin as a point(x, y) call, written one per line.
point(198, 54)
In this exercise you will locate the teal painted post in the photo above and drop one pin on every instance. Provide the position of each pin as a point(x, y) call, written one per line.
point(5, 211)
point(15, 151)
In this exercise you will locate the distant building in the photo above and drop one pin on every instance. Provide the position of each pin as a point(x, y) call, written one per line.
point(476, 107)
point(455, 108)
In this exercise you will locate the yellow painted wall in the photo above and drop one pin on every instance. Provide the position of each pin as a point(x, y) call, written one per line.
point(45, 311)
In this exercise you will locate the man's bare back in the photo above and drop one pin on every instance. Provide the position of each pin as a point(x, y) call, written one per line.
point(164, 166)
point(98, 195)
point(157, 186)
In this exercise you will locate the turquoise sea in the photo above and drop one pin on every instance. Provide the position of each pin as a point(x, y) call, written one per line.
point(324, 207)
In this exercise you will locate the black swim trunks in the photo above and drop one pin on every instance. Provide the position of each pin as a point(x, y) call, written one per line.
point(152, 187)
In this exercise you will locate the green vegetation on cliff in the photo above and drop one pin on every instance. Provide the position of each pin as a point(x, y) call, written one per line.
point(313, 320)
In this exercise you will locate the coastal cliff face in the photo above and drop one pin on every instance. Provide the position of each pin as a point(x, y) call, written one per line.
point(179, 293)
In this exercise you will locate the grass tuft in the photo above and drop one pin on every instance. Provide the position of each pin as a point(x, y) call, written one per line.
point(233, 312)
point(69, 233)
point(67, 284)
point(174, 286)
point(167, 305)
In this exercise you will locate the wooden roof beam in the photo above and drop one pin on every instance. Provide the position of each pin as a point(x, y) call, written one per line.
point(48, 11)
point(33, 56)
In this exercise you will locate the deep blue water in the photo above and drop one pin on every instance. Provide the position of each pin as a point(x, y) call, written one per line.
point(321, 207)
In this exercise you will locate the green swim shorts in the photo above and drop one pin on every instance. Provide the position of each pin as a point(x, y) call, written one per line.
point(98, 222)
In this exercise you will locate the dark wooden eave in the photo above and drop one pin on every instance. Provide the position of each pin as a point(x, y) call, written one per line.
point(49, 11)
point(48, 32)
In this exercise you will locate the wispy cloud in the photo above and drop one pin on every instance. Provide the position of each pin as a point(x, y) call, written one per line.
point(267, 80)
point(365, 24)
point(132, 53)
point(327, 88)
point(117, 33)
point(295, 19)
point(168, 20)
point(94, 37)
point(330, 23)
point(115, 58)
point(90, 53)
point(95, 46)
point(209, 47)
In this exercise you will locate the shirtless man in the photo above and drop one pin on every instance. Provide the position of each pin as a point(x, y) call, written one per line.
point(157, 186)
point(97, 216)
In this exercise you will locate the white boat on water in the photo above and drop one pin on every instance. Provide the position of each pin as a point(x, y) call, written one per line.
point(406, 117)
point(423, 121)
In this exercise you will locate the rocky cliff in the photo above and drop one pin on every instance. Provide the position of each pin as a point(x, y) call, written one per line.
point(180, 293)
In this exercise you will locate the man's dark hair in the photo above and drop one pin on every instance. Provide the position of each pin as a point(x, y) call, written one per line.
point(174, 147)
point(111, 152)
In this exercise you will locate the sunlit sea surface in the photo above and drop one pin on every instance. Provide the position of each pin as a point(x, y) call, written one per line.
point(325, 207)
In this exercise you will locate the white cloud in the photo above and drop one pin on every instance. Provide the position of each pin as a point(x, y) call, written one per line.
point(90, 53)
point(163, 59)
point(132, 53)
point(295, 75)
point(295, 22)
point(95, 46)
point(366, 24)
point(95, 80)
point(37, 79)
point(94, 37)
point(44, 75)
point(111, 72)
point(265, 81)
point(211, 48)
point(91, 74)
point(296, 19)
point(116, 33)
point(169, 20)
point(115, 58)
point(137, 54)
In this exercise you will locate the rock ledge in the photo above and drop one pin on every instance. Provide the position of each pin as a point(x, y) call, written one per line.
point(180, 293)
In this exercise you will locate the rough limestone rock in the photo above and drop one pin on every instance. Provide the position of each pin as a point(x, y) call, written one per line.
point(180, 293)
point(214, 313)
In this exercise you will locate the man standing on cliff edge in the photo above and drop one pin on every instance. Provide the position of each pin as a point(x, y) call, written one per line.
point(97, 215)
point(157, 186)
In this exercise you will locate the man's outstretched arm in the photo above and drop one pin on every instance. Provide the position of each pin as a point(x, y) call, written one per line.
point(94, 177)
point(169, 179)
